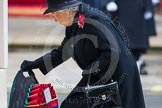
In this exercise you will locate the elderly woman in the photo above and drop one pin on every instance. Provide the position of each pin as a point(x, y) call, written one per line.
point(98, 47)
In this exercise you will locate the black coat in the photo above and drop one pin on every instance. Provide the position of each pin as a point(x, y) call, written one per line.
point(93, 3)
point(86, 53)
point(131, 16)
point(150, 24)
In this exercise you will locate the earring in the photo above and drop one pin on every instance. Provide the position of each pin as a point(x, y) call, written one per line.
point(81, 20)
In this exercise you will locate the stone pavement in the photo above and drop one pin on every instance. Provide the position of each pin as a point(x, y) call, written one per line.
point(153, 82)
point(33, 33)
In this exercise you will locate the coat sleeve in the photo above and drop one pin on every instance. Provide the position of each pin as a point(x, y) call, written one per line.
point(103, 60)
point(52, 59)
point(148, 5)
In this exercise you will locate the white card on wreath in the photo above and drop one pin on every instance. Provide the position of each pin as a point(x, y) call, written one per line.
point(47, 95)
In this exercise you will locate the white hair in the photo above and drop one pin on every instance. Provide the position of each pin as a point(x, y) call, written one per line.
point(76, 8)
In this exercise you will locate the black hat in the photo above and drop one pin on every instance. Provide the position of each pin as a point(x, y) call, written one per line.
point(55, 5)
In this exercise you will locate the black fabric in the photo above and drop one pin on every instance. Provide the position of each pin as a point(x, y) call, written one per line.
point(138, 53)
point(55, 5)
point(151, 29)
point(131, 16)
point(94, 3)
point(150, 24)
point(19, 89)
point(85, 53)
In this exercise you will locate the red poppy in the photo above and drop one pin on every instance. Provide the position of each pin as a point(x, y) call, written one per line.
point(81, 20)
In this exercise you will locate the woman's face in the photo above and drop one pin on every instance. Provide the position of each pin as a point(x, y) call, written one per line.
point(64, 17)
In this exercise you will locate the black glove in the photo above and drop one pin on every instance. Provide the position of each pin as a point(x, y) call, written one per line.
point(28, 65)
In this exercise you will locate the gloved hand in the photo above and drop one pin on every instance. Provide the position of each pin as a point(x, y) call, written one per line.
point(28, 65)
point(112, 7)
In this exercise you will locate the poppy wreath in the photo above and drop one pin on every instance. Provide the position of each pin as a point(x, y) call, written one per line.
point(41, 96)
